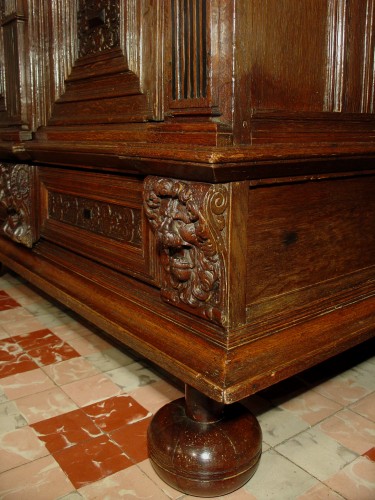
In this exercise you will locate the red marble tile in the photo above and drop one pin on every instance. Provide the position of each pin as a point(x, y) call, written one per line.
point(8, 303)
point(53, 353)
point(19, 364)
point(91, 460)
point(370, 454)
point(8, 349)
point(39, 338)
point(65, 430)
point(115, 412)
point(132, 439)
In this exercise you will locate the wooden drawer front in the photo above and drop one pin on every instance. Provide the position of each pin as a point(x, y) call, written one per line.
point(99, 216)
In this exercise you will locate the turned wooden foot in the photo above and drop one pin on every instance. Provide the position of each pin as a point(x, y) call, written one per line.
point(202, 447)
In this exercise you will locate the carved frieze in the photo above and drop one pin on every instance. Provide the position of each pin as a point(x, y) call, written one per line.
point(107, 219)
point(189, 220)
point(98, 26)
point(16, 191)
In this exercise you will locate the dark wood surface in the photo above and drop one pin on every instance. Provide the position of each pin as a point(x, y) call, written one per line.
point(196, 178)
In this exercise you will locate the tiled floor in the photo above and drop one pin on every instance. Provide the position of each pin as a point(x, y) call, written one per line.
point(74, 411)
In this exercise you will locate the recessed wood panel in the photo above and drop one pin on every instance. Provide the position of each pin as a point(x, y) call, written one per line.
point(314, 237)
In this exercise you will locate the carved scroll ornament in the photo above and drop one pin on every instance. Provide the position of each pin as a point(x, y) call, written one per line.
point(16, 202)
point(189, 220)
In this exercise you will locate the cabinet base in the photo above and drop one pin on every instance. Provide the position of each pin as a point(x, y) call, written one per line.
point(204, 448)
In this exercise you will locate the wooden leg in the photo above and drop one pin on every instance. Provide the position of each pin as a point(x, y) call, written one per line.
point(202, 447)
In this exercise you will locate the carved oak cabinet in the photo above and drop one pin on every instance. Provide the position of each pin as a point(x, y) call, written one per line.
point(198, 179)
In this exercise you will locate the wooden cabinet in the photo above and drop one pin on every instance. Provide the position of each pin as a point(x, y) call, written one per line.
point(208, 168)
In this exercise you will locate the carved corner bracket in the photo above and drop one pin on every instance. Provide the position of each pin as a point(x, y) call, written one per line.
point(190, 223)
point(16, 203)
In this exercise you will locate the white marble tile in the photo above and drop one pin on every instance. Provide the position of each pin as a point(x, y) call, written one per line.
point(278, 425)
point(279, 479)
point(317, 453)
point(110, 359)
point(133, 376)
point(10, 417)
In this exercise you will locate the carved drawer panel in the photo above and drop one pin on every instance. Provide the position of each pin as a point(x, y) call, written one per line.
point(99, 216)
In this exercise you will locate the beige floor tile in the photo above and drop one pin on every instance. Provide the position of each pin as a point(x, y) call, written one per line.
point(46, 404)
point(320, 492)
point(278, 479)
point(129, 483)
point(10, 417)
point(154, 396)
point(38, 480)
point(365, 407)
point(278, 425)
point(20, 447)
point(70, 371)
point(26, 383)
point(132, 376)
point(317, 453)
point(311, 407)
point(351, 430)
point(356, 481)
point(91, 390)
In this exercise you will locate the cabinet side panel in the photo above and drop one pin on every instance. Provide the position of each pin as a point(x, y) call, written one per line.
point(311, 245)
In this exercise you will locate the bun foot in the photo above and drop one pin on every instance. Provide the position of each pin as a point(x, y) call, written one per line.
point(204, 448)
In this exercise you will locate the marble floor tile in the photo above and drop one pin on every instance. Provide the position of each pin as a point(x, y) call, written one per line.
point(41, 479)
point(116, 412)
point(110, 359)
point(278, 425)
point(71, 370)
point(10, 417)
point(34, 339)
point(132, 438)
point(19, 447)
point(356, 481)
point(91, 390)
point(277, 478)
point(73, 330)
point(132, 376)
point(7, 302)
point(65, 430)
point(14, 316)
point(351, 430)
point(148, 470)
point(89, 344)
point(370, 454)
point(17, 321)
point(349, 386)
point(4, 334)
point(317, 453)
point(26, 383)
point(365, 407)
point(14, 360)
point(320, 492)
point(90, 461)
point(129, 483)
point(46, 404)
point(154, 396)
point(311, 407)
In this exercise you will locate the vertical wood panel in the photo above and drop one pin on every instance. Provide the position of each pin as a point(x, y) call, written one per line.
point(336, 38)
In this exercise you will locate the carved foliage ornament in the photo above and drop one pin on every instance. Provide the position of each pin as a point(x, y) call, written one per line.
point(110, 220)
point(189, 220)
point(16, 202)
point(98, 26)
